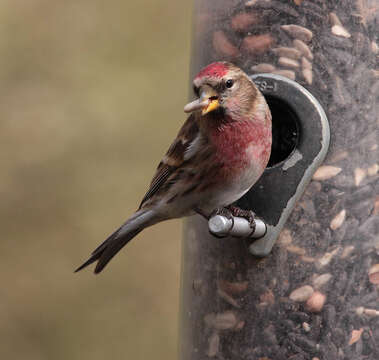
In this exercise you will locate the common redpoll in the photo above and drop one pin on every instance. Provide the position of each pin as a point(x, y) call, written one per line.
point(219, 153)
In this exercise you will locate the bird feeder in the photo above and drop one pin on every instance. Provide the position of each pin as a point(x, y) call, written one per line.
point(305, 285)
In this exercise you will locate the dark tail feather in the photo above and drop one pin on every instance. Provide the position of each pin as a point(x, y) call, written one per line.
point(115, 242)
point(97, 254)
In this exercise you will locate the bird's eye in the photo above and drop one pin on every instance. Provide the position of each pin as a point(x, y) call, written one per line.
point(229, 83)
point(196, 90)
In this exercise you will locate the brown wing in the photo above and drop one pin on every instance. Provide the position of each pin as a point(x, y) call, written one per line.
point(174, 157)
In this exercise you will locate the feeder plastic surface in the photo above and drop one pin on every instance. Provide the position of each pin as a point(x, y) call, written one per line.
point(315, 296)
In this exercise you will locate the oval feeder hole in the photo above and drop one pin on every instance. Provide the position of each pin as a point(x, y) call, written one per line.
point(285, 130)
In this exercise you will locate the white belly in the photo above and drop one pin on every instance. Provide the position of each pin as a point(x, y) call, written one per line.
point(227, 195)
point(212, 198)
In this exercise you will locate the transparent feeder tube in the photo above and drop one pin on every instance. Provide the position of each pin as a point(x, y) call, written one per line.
point(316, 295)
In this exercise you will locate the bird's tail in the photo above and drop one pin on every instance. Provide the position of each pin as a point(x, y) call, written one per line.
point(116, 241)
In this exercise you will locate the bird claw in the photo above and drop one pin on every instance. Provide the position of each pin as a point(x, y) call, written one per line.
point(246, 214)
point(223, 211)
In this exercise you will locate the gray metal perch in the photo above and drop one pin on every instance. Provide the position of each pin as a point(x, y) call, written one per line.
point(220, 225)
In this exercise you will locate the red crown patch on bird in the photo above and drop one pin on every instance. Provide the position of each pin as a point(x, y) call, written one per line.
point(217, 69)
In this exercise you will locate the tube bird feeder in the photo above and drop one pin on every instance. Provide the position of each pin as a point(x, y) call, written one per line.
point(308, 289)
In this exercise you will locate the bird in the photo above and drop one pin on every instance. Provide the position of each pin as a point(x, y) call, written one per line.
point(219, 153)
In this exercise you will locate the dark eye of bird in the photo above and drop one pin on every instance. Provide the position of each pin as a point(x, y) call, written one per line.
point(196, 90)
point(229, 83)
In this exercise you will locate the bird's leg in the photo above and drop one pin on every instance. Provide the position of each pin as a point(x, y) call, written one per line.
point(223, 211)
point(246, 214)
point(219, 211)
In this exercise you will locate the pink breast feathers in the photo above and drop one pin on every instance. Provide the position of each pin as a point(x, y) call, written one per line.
point(242, 145)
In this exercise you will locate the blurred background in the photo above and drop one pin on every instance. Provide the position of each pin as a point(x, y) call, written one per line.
point(91, 96)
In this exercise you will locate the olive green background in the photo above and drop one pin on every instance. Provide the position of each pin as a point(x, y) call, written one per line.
point(91, 95)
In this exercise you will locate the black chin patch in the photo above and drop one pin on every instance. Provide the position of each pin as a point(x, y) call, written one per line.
point(218, 113)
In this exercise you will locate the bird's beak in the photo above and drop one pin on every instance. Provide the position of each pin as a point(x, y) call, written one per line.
point(207, 102)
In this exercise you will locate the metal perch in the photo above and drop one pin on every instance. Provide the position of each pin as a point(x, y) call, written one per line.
point(221, 226)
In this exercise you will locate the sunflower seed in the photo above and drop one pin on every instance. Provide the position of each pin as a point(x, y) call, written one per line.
point(298, 32)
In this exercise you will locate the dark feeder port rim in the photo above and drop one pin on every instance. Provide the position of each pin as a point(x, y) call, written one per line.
point(274, 196)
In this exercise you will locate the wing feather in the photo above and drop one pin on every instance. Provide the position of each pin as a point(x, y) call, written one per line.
point(176, 155)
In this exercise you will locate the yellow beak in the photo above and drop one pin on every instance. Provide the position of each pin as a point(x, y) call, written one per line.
point(207, 102)
point(212, 105)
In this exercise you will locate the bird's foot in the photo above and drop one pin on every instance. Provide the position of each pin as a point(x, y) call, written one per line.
point(223, 211)
point(246, 214)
